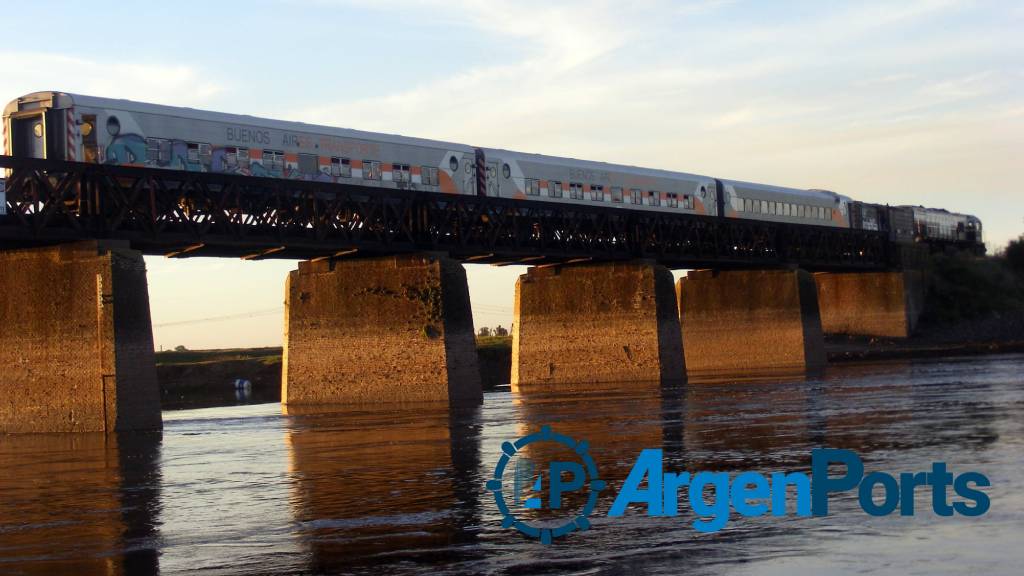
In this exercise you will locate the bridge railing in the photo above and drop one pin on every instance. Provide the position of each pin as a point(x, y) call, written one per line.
point(207, 214)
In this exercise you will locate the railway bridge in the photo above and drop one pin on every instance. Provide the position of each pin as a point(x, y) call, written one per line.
point(378, 308)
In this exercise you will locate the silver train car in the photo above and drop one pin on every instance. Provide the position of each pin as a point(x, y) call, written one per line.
point(102, 130)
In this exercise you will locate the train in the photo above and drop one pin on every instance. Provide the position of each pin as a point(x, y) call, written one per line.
point(74, 127)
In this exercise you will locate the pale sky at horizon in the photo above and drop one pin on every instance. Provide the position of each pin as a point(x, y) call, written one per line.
point(918, 102)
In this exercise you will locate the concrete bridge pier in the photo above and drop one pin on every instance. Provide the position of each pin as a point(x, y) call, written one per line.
point(379, 330)
point(750, 321)
point(596, 323)
point(885, 304)
point(76, 341)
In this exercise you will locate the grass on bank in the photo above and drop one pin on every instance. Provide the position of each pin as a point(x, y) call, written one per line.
point(272, 355)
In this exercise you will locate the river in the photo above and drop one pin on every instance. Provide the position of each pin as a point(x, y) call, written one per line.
point(254, 489)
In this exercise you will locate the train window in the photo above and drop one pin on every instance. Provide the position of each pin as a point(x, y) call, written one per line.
point(273, 160)
point(400, 172)
point(635, 196)
point(156, 148)
point(687, 202)
point(230, 157)
point(764, 206)
point(654, 198)
point(428, 175)
point(597, 192)
point(532, 187)
point(672, 200)
point(242, 154)
point(205, 153)
point(371, 170)
point(616, 193)
point(337, 167)
point(193, 152)
point(575, 190)
point(555, 189)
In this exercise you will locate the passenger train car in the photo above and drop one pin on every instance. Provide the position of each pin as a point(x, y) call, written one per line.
point(102, 130)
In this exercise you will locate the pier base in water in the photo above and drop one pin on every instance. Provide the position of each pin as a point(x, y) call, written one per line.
point(76, 341)
point(391, 329)
point(596, 323)
point(885, 304)
point(750, 321)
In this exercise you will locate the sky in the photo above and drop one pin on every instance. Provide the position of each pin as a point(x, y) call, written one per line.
point(916, 102)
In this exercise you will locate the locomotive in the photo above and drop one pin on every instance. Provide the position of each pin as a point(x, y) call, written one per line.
point(81, 128)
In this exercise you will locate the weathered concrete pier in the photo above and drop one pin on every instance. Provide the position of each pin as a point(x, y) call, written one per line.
point(76, 341)
point(885, 304)
point(596, 323)
point(384, 330)
point(741, 321)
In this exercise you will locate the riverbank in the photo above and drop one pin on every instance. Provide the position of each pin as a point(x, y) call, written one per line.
point(210, 376)
point(191, 378)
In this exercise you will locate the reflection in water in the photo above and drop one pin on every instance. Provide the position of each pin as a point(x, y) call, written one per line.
point(79, 503)
point(377, 487)
point(245, 489)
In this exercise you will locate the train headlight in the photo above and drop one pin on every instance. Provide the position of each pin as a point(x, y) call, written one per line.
point(86, 128)
point(38, 129)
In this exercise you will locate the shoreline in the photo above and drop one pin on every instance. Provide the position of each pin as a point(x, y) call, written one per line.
point(194, 378)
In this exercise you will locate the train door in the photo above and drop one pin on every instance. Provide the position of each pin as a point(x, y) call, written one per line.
point(492, 178)
point(29, 136)
point(719, 192)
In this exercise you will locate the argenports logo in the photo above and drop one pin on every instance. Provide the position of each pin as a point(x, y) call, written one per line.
point(570, 469)
point(573, 487)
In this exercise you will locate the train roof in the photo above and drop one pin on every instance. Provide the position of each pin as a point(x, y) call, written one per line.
point(66, 100)
point(940, 210)
point(594, 165)
point(815, 193)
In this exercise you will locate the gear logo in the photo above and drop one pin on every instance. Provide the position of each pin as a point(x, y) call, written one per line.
point(572, 480)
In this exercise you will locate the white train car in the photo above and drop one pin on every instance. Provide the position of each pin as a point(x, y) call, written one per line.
point(103, 130)
point(777, 204)
point(567, 180)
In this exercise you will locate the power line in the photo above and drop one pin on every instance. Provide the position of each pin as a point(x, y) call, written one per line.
point(239, 316)
point(482, 309)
